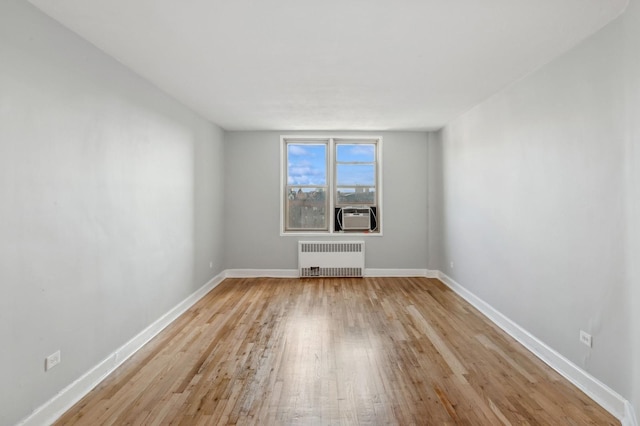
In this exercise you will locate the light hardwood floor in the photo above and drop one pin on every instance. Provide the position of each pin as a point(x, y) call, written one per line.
point(369, 351)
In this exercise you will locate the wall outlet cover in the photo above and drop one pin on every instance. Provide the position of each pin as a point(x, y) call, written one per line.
point(52, 360)
point(585, 338)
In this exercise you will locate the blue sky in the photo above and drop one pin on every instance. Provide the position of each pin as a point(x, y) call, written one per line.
point(306, 164)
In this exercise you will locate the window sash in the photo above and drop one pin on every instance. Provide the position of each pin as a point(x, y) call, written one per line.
point(357, 189)
point(306, 206)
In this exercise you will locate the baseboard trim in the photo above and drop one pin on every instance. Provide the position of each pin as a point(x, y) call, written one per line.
point(629, 415)
point(376, 272)
point(431, 273)
point(50, 411)
point(596, 390)
point(261, 273)
point(293, 273)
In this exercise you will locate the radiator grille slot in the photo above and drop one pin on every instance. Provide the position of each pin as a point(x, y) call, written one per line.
point(331, 259)
point(332, 247)
point(331, 272)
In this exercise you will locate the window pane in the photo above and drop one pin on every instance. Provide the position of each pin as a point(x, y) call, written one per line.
point(306, 209)
point(361, 153)
point(359, 195)
point(307, 164)
point(355, 175)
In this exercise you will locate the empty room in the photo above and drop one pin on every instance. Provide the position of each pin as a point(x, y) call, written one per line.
point(338, 212)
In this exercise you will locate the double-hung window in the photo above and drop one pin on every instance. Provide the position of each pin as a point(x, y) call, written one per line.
point(331, 185)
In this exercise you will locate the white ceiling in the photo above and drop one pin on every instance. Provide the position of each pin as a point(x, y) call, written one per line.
point(332, 64)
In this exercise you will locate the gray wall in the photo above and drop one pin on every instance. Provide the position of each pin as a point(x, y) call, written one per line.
point(538, 207)
point(115, 199)
point(252, 203)
point(435, 214)
point(110, 206)
point(627, 33)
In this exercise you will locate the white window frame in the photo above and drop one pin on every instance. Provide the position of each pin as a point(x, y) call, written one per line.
point(331, 181)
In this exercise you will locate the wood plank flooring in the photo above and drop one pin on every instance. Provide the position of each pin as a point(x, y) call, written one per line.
point(372, 351)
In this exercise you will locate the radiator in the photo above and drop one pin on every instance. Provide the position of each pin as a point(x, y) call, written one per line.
point(331, 259)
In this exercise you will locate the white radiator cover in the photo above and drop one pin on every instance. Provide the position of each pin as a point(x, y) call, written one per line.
point(331, 258)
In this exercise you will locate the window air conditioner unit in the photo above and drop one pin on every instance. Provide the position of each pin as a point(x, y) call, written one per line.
point(356, 219)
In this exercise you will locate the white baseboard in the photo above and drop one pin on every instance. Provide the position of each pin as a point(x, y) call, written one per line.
point(431, 273)
point(374, 272)
point(50, 411)
point(629, 415)
point(293, 273)
point(261, 273)
point(596, 390)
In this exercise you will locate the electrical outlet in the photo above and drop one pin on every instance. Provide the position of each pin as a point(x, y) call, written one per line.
point(52, 360)
point(210, 265)
point(452, 265)
point(585, 338)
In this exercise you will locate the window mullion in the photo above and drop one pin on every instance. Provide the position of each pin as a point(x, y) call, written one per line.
point(331, 168)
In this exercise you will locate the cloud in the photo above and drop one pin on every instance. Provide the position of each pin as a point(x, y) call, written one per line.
point(301, 171)
point(297, 150)
point(305, 175)
point(306, 165)
point(363, 150)
point(363, 153)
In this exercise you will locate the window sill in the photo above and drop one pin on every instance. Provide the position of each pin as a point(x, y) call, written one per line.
point(331, 234)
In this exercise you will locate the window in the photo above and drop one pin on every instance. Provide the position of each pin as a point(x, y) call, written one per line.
point(306, 203)
point(331, 185)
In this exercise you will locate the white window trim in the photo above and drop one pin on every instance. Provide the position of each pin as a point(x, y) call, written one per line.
point(330, 184)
